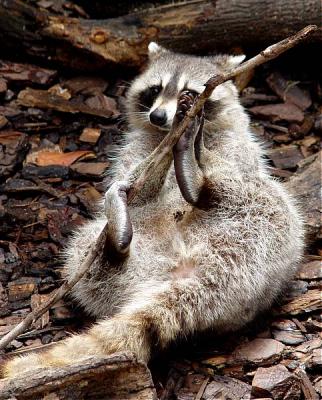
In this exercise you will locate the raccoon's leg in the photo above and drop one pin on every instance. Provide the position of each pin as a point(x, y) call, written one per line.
point(189, 155)
point(155, 317)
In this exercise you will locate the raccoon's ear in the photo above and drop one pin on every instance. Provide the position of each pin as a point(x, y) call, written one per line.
point(155, 50)
point(227, 62)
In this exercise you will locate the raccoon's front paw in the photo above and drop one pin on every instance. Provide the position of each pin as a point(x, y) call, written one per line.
point(185, 102)
point(119, 224)
point(194, 128)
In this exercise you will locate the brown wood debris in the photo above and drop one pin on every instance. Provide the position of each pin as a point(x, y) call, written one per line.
point(258, 351)
point(116, 377)
point(55, 135)
point(94, 43)
point(14, 146)
point(279, 112)
point(27, 73)
point(276, 382)
point(98, 106)
point(286, 157)
point(306, 185)
point(307, 302)
point(289, 92)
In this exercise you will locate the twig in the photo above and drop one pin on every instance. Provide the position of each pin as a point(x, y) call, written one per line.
point(306, 385)
point(202, 389)
point(59, 294)
point(143, 171)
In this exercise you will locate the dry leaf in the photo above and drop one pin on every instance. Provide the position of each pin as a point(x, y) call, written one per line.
point(90, 135)
point(57, 90)
point(90, 169)
point(46, 157)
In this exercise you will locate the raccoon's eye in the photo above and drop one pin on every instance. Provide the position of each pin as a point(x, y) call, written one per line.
point(155, 90)
point(193, 92)
point(147, 97)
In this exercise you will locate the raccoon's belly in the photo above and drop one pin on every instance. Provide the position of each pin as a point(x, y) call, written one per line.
point(160, 216)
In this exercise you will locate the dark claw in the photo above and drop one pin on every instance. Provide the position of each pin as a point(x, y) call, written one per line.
point(185, 102)
point(199, 137)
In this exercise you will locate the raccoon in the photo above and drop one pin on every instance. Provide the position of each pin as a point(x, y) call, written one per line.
point(211, 240)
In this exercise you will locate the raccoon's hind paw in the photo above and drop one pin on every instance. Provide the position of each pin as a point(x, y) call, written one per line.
point(186, 154)
point(119, 223)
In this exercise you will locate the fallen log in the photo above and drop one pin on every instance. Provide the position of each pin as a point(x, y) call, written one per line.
point(116, 377)
point(189, 26)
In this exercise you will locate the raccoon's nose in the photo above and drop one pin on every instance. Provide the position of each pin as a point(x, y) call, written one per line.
point(158, 117)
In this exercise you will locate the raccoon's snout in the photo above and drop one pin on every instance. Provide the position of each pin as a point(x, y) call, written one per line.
point(158, 117)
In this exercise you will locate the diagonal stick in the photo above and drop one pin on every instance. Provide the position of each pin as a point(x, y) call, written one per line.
point(142, 172)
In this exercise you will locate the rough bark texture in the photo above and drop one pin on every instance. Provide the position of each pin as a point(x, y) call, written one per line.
point(306, 184)
point(192, 25)
point(117, 377)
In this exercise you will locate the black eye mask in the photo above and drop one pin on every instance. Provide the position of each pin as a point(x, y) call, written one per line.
point(146, 97)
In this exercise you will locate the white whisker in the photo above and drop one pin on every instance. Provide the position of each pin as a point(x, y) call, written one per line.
point(142, 105)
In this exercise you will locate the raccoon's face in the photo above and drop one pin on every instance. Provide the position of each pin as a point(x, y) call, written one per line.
point(153, 96)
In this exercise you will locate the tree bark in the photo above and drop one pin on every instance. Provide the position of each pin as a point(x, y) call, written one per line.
point(116, 377)
point(99, 9)
point(189, 26)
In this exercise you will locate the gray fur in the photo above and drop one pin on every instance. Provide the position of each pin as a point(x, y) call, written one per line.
point(212, 269)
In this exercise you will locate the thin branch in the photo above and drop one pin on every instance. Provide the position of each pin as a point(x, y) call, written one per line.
point(93, 253)
point(143, 171)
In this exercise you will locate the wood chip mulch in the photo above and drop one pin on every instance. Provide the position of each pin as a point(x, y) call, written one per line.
point(55, 133)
